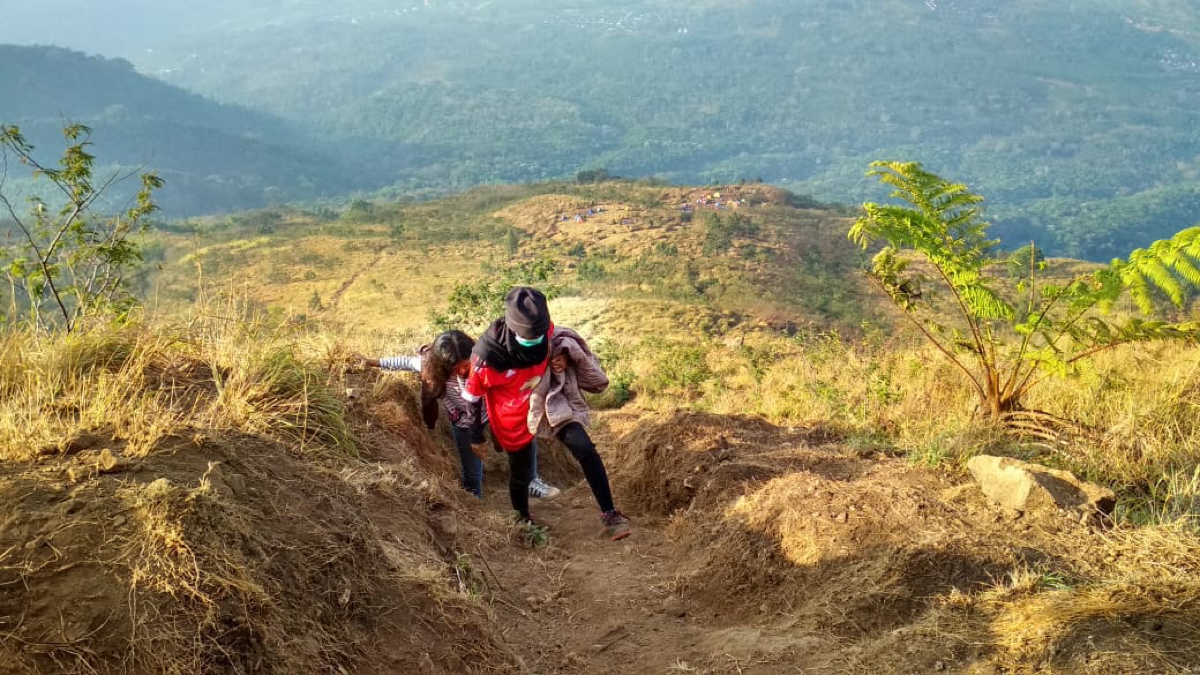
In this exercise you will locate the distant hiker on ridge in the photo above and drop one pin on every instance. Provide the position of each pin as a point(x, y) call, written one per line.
point(508, 364)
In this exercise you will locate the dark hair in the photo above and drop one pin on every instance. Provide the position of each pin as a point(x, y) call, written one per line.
point(437, 363)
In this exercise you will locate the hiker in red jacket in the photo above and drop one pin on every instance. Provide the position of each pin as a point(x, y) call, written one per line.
point(508, 362)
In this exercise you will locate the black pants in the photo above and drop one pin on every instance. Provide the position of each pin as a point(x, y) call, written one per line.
point(521, 470)
point(576, 438)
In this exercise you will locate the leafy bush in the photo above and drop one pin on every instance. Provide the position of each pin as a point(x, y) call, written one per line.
point(1006, 347)
point(474, 305)
point(72, 259)
point(720, 231)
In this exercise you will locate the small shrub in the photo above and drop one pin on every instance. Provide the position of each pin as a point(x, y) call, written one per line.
point(473, 305)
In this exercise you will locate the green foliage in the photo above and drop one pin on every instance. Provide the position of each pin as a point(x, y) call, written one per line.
point(591, 270)
point(682, 370)
point(263, 221)
point(475, 304)
point(1075, 117)
point(537, 536)
point(666, 250)
point(1026, 260)
point(1007, 341)
point(512, 240)
point(219, 157)
point(70, 260)
point(470, 580)
point(719, 231)
point(594, 176)
point(620, 377)
point(360, 211)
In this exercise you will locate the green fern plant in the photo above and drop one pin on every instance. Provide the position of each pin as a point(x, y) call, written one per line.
point(1006, 341)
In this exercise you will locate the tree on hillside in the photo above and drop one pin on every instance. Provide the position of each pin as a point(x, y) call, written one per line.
point(1008, 334)
point(594, 176)
point(68, 258)
point(474, 304)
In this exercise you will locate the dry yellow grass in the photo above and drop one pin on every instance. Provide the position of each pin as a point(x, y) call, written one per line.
point(1141, 403)
point(221, 370)
point(216, 520)
point(874, 393)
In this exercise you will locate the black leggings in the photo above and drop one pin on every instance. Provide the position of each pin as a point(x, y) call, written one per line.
point(576, 438)
point(521, 470)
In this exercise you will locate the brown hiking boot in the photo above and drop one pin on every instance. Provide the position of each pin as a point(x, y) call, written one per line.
point(616, 526)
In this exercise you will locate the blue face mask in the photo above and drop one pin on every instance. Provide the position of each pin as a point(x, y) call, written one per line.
point(530, 343)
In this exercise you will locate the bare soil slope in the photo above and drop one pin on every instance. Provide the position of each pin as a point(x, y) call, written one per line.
point(235, 554)
point(758, 550)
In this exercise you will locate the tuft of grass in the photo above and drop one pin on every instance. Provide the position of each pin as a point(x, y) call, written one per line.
point(1174, 497)
point(932, 454)
point(101, 377)
point(1145, 583)
point(139, 383)
point(273, 390)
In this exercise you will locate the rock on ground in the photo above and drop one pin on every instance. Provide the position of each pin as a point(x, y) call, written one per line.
point(1024, 486)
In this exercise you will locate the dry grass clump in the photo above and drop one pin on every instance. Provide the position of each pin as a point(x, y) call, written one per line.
point(898, 565)
point(144, 383)
point(52, 387)
point(1132, 608)
point(1139, 404)
point(168, 515)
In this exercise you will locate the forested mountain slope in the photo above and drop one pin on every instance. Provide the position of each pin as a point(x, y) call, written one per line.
point(1076, 118)
point(214, 157)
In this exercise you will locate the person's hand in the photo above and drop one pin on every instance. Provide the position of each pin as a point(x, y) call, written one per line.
point(354, 363)
point(559, 363)
point(363, 362)
point(480, 450)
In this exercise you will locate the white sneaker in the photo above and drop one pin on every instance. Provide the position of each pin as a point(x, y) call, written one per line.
point(540, 489)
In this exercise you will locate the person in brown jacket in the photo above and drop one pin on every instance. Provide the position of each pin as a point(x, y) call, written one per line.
point(558, 408)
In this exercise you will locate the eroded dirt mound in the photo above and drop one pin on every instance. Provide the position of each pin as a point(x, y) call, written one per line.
point(889, 567)
point(852, 556)
point(700, 460)
point(233, 554)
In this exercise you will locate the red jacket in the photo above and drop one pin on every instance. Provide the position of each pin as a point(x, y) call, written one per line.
point(506, 394)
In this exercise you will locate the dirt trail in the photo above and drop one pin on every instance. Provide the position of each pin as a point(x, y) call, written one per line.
point(584, 604)
point(594, 606)
point(763, 550)
point(336, 297)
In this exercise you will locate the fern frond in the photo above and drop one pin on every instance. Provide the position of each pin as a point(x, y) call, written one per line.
point(1189, 242)
point(1139, 288)
point(1175, 255)
point(1168, 266)
point(1161, 275)
point(986, 303)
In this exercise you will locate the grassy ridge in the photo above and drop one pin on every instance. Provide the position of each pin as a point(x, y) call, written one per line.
point(759, 309)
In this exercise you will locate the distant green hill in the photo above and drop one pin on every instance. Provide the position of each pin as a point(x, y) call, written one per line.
point(1077, 118)
point(214, 157)
point(1036, 104)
